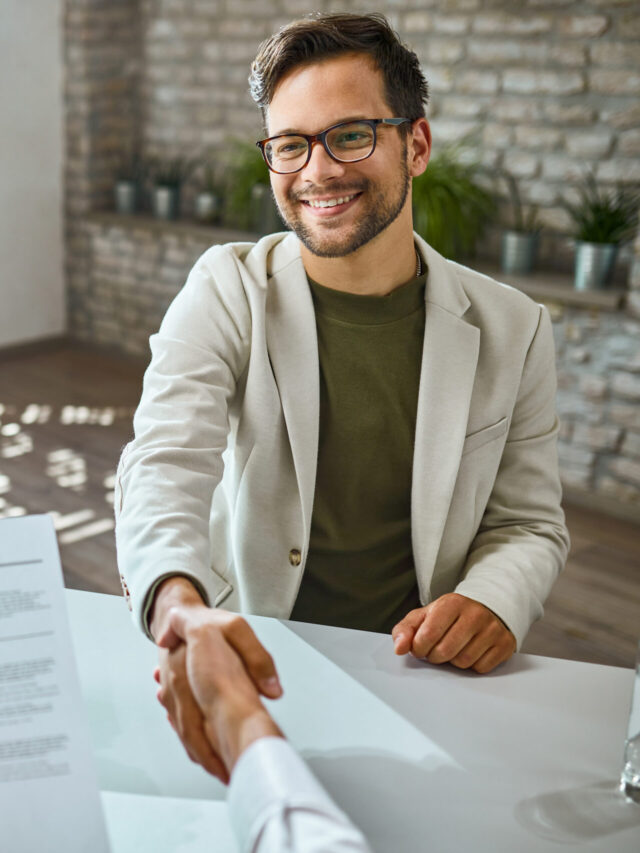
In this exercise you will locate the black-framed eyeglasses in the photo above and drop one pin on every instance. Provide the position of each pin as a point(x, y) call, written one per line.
point(346, 142)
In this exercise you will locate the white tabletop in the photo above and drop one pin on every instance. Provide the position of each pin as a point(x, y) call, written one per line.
point(421, 757)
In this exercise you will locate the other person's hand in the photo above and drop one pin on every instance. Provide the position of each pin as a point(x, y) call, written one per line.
point(455, 629)
point(175, 692)
point(227, 697)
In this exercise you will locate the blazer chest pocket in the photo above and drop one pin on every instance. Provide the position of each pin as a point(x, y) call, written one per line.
point(483, 436)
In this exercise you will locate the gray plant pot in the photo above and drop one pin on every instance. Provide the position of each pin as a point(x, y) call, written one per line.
point(264, 213)
point(593, 265)
point(126, 196)
point(207, 207)
point(519, 251)
point(165, 202)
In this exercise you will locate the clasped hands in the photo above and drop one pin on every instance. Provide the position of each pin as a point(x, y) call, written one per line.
point(213, 670)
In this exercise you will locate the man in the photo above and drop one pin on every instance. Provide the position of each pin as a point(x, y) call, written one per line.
point(275, 804)
point(386, 416)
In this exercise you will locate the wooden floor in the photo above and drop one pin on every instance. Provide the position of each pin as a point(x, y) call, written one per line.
point(65, 414)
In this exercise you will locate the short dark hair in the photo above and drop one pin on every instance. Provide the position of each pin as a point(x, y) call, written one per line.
point(321, 36)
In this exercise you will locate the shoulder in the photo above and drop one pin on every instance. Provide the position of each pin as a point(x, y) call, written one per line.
point(251, 261)
point(496, 306)
point(482, 289)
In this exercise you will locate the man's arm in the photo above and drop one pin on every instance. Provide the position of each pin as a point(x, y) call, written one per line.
point(228, 629)
point(521, 544)
point(168, 474)
point(276, 805)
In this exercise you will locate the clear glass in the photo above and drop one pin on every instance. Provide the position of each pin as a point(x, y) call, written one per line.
point(630, 777)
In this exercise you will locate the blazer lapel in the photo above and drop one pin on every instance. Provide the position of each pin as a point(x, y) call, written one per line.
point(293, 350)
point(449, 360)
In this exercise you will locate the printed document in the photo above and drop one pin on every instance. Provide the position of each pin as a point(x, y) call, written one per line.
point(49, 798)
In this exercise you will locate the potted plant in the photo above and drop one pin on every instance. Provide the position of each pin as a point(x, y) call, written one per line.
point(168, 177)
point(450, 207)
point(208, 201)
point(519, 247)
point(603, 220)
point(129, 179)
point(249, 202)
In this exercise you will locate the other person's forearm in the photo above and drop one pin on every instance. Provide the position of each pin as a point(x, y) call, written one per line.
point(234, 728)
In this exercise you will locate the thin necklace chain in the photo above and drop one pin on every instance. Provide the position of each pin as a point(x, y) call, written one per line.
point(418, 264)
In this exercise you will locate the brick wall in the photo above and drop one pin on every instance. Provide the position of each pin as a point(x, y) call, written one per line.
point(102, 65)
point(598, 402)
point(550, 87)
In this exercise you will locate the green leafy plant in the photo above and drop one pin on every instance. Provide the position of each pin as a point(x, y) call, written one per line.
point(522, 222)
point(450, 207)
point(131, 167)
point(603, 216)
point(173, 172)
point(246, 169)
point(211, 181)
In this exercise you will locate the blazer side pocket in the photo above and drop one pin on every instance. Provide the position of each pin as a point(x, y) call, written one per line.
point(484, 436)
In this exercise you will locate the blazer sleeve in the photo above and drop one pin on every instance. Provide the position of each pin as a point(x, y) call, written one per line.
point(522, 542)
point(168, 473)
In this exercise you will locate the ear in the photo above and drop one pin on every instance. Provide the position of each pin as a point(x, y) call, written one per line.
point(419, 147)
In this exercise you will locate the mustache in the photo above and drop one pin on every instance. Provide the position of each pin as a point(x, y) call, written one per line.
point(334, 189)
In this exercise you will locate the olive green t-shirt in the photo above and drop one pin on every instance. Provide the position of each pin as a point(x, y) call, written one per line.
point(360, 571)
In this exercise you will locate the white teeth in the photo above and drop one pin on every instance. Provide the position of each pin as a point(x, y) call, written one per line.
point(332, 202)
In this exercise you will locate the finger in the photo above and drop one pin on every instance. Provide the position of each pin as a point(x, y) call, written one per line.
point(497, 654)
point(188, 723)
point(437, 621)
point(404, 632)
point(455, 641)
point(256, 659)
point(470, 654)
point(175, 629)
point(201, 752)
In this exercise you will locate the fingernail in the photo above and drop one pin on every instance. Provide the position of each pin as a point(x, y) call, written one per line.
point(271, 686)
point(398, 640)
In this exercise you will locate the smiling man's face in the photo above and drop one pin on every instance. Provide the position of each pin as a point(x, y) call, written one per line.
point(370, 194)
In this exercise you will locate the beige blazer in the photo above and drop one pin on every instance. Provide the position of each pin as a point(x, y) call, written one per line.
point(218, 484)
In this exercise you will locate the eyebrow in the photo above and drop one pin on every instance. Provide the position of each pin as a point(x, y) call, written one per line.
point(291, 131)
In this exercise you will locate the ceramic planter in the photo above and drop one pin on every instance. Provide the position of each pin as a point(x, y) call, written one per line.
point(594, 265)
point(519, 251)
point(165, 202)
point(126, 196)
point(207, 207)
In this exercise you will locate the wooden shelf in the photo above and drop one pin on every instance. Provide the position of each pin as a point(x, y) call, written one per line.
point(184, 227)
point(558, 288)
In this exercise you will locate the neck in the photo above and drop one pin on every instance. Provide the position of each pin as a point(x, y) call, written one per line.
point(375, 269)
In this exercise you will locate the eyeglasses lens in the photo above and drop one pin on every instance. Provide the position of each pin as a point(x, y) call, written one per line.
point(346, 142)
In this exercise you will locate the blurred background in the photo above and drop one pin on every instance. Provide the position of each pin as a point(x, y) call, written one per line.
point(127, 149)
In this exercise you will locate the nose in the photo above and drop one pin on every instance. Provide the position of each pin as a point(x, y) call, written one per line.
point(321, 167)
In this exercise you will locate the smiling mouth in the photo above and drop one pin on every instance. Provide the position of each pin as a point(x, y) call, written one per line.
point(329, 202)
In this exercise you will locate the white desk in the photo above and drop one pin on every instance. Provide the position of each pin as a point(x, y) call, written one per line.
point(423, 758)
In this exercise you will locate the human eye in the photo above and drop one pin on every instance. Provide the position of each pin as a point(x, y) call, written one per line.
point(352, 136)
point(289, 147)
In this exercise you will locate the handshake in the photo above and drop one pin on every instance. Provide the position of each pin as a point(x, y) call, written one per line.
point(212, 672)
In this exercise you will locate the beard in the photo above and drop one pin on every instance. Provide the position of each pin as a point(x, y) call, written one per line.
point(382, 208)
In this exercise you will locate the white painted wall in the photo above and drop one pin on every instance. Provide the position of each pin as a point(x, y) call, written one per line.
point(32, 301)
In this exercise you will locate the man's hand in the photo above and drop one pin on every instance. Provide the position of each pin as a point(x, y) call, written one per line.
point(227, 697)
point(455, 629)
point(175, 692)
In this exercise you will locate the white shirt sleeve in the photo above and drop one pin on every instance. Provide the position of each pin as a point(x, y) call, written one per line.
point(276, 805)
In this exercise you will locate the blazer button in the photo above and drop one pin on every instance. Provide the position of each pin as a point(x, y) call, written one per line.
point(295, 557)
